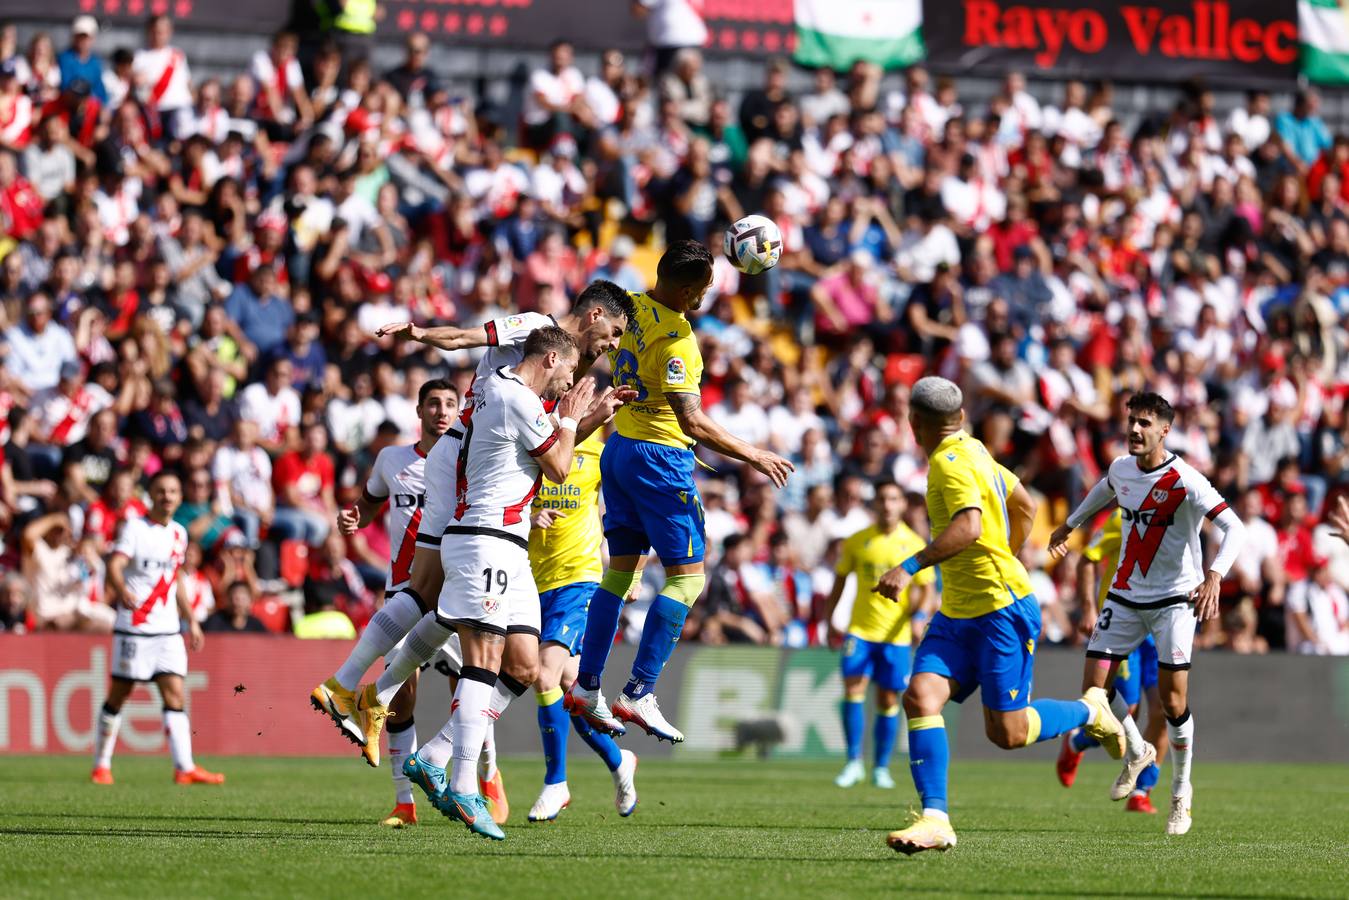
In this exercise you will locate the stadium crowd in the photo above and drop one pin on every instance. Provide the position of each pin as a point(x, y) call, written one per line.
point(192, 271)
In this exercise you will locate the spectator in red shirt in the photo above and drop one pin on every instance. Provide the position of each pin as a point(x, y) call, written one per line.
point(118, 503)
point(20, 204)
point(304, 481)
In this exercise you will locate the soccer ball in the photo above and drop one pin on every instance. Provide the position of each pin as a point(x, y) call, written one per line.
point(753, 244)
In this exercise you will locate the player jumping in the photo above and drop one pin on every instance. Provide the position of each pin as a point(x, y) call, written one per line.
point(879, 632)
point(984, 636)
point(398, 480)
point(1159, 588)
point(489, 597)
point(1136, 678)
point(596, 321)
point(650, 498)
point(564, 552)
point(152, 605)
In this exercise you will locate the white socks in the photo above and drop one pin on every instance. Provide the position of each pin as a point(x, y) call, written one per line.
point(1181, 732)
point(469, 723)
point(179, 731)
point(402, 744)
point(385, 629)
point(108, 724)
point(439, 749)
point(506, 690)
point(426, 637)
point(1132, 736)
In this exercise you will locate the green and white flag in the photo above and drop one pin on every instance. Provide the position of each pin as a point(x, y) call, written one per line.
point(837, 33)
point(1323, 30)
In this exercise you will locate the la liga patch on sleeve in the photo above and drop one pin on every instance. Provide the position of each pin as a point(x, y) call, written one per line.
point(675, 372)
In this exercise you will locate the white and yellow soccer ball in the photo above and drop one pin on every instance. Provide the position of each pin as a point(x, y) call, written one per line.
point(753, 244)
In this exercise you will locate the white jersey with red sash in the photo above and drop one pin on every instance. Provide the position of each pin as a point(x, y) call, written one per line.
point(155, 552)
point(399, 477)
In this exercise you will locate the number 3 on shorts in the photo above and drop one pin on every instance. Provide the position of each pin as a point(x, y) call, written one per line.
point(500, 580)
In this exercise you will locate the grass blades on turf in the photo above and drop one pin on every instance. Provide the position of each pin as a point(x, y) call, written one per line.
point(307, 828)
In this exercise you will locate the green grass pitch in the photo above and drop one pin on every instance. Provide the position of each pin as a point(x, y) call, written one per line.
point(297, 828)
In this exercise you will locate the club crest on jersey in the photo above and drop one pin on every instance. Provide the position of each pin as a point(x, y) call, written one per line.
point(1159, 495)
point(490, 604)
point(674, 372)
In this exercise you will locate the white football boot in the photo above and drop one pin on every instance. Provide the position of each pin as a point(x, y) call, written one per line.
point(625, 785)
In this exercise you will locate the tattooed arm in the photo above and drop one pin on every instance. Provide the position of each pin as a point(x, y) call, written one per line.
point(698, 425)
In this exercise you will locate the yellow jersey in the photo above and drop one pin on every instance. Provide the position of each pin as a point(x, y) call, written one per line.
point(986, 576)
point(568, 551)
point(869, 554)
point(1105, 547)
point(657, 355)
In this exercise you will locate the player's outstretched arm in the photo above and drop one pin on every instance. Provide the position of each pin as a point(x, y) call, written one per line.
point(697, 424)
point(1097, 499)
point(965, 528)
point(446, 337)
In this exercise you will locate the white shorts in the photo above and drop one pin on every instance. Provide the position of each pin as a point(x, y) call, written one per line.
point(449, 659)
point(1120, 629)
point(488, 584)
point(144, 657)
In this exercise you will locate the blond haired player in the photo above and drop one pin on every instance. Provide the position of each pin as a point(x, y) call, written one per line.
point(152, 605)
point(564, 552)
point(984, 636)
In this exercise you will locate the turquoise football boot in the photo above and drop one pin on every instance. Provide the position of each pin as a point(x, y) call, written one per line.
point(431, 779)
point(471, 809)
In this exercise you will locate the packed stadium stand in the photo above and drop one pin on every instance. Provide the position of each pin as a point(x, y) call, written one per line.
point(202, 234)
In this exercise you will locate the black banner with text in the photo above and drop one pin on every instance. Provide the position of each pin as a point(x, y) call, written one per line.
point(742, 27)
point(1236, 42)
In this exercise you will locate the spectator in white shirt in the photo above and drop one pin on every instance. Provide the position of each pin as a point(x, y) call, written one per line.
point(552, 96)
point(272, 405)
point(63, 412)
point(849, 513)
point(38, 347)
point(1251, 121)
point(824, 101)
point(1252, 567)
point(602, 91)
point(242, 472)
point(47, 163)
point(163, 79)
point(788, 423)
point(670, 26)
point(1318, 614)
point(740, 415)
point(282, 101)
point(354, 421)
